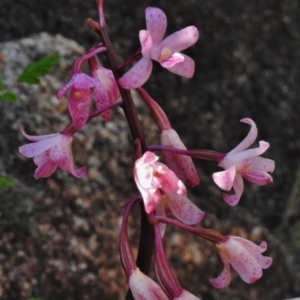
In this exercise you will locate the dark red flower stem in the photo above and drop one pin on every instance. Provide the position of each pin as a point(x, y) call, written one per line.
point(208, 234)
point(198, 153)
point(146, 245)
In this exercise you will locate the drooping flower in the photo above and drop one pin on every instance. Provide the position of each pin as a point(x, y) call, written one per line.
point(144, 288)
point(79, 98)
point(239, 163)
point(245, 257)
point(166, 51)
point(182, 165)
point(49, 152)
point(105, 89)
point(160, 187)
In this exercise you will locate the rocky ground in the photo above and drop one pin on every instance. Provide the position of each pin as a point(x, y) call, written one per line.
point(59, 235)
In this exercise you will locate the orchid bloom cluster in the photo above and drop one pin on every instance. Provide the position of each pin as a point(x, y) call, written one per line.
point(161, 181)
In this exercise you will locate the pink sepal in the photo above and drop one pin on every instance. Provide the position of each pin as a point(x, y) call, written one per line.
point(137, 75)
point(238, 187)
point(184, 209)
point(105, 89)
point(79, 81)
point(144, 288)
point(181, 39)
point(182, 165)
point(224, 179)
point(156, 22)
point(186, 68)
point(185, 295)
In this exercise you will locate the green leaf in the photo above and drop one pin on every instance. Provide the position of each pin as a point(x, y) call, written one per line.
point(9, 97)
point(5, 182)
point(1, 85)
point(37, 69)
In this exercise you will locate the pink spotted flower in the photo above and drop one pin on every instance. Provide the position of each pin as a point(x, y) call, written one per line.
point(245, 257)
point(80, 97)
point(161, 189)
point(245, 163)
point(166, 52)
point(49, 152)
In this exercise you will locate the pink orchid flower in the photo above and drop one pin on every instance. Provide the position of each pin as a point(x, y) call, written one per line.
point(182, 165)
point(166, 51)
point(49, 152)
point(240, 163)
point(79, 98)
point(161, 189)
point(144, 288)
point(105, 89)
point(245, 257)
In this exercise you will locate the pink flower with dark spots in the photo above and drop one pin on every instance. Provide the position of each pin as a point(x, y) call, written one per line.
point(245, 163)
point(161, 189)
point(49, 152)
point(182, 165)
point(166, 52)
point(79, 98)
point(246, 259)
point(105, 89)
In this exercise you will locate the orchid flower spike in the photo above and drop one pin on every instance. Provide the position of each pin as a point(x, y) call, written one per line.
point(245, 257)
point(239, 163)
point(49, 152)
point(161, 189)
point(166, 51)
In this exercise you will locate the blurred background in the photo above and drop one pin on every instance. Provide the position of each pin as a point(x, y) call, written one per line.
point(59, 236)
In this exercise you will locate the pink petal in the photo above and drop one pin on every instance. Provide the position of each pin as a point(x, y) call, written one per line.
point(172, 60)
point(36, 138)
point(249, 139)
point(45, 170)
point(146, 42)
point(137, 75)
point(105, 89)
point(144, 288)
point(182, 165)
point(78, 80)
point(42, 158)
point(225, 179)
point(62, 156)
point(259, 178)
point(262, 164)
point(79, 101)
point(238, 186)
point(181, 39)
point(224, 278)
point(249, 153)
point(185, 295)
point(184, 210)
point(33, 149)
point(185, 68)
point(245, 264)
point(156, 23)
